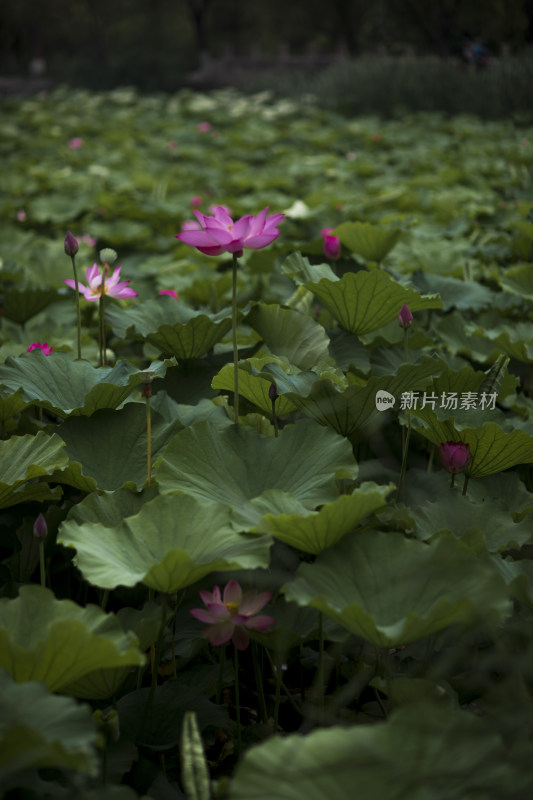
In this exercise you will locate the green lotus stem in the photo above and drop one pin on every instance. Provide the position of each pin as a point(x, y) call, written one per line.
point(101, 309)
point(275, 418)
point(404, 458)
point(277, 672)
point(220, 681)
point(465, 485)
point(237, 701)
point(78, 309)
point(235, 348)
point(277, 676)
point(147, 392)
point(41, 562)
point(406, 345)
point(452, 480)
point(320, 676)
point(105, 598)
point(431, 456)
point(259, 684)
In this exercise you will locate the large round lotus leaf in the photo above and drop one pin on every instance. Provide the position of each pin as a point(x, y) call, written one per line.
point(367, 240)
point(314, 531)
point(22, 305)
point(172, 542)
point(104, 683)
point(38, 729)
point(24, 458)
point(253, 387)
point(172, 327)
point(11, 406)
point(423, 752)
point(237, 464)
point(302, 271)
point(286, 332)
point(57, 641)
point(391, 590)
point(111, 446)
point(518, 280)
point(64, 386)
point(110, 508)
point(462, 294)
point(365, 301)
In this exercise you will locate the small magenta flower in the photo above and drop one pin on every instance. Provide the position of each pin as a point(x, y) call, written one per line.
point(88, 239)
point(40, 528)
point(21, 215)
point(220, 234)
point(230, 615)
point(112, 286)
point(71, 245)
point(204, 127)
point(405, 318)
point(196, 200)
point(75, 143)
point(45, 347)
point(455, 456)
point(332, 244)
point(172, 292)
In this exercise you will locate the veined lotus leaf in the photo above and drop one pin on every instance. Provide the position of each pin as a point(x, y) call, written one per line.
point(518, 280)
point(145, 624)
point(461, 294)
point(365, 301)
point(286, 332)
point(24, 458)
point(11, 405)
point(38, 729)
point(236, 464)
point(367, 240)
point(422, 751)
point(516, 342)
point(64, 386)
point(461, 515)
point(58, 642)
point(301, 271)
point(111, 446)
point(171, 543)
point(253, 387)
point(22, 305)
point(391, 590)
point(110, 508)
point(171, 327)
point(314, 531)
point(492, 450)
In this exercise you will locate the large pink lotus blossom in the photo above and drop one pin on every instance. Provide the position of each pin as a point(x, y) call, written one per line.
point(94, 289)
point(220, 234)
point(45, 347)
point(231, 614)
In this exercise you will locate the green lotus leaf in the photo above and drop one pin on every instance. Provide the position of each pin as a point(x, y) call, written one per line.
point(314, 531)
point(365, 301)
point(11, 406)
point(24, 458)
point(171, 327)
point(253, 387)
point(286, 332)
point(22, 305)
point(58, 642)
point(111, 446)
point(518, 280)
point(490, 517)
point(172, 542)
point(301, 271)
point(423, 751)
point(38, 729)
point(145, 624)
point(235, 465)
point(516, 342)
point(64, 386)
point(391, 590)
point(110, 508)
point(518, 575)
point(460, 294)
point(367, 240)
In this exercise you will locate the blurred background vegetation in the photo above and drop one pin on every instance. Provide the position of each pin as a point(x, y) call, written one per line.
point(357, 56)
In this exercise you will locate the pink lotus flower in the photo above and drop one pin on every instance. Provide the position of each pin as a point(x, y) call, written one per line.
point(196, 200)
point(94, 289)
point(75, 143)
point(172, 292)
point(229, 616)
point(455, 456)
point(405, 318)
point(45, 347)
point(204, 127)
point(332, 244)
point(21, 215)
point(220, 234)
point(88, 239)
point(213, 209)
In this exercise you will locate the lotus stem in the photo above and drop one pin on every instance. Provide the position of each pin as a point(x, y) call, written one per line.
point(320, 676)
point(101, 309)
point(41, 562)
point(404, 458)
point(259, 684)
point(78, 309)
point(465, 485)
point(220, 681)
point(237, 701)
point(275, 419)
point(406, 345)
point(235, 348)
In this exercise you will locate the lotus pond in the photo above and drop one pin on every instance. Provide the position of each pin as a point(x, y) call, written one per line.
point(352, 529)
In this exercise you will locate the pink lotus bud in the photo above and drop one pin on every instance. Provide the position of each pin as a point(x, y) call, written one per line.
point(405, 318)
point(40, 528)
point(71, 245)
point(21, 215)
point(75, 143)
point(172, 292)
point(332, 247)
point(196, 200)
point(455, 456)
point(204, 127)
point(273, 391)
point(45, 347)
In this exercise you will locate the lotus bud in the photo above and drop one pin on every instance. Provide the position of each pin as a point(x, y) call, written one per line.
point(455, 456)
point(332, 247)
point(40, 528)
point(71, 245)
point(405, 318)
point(273, 392)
